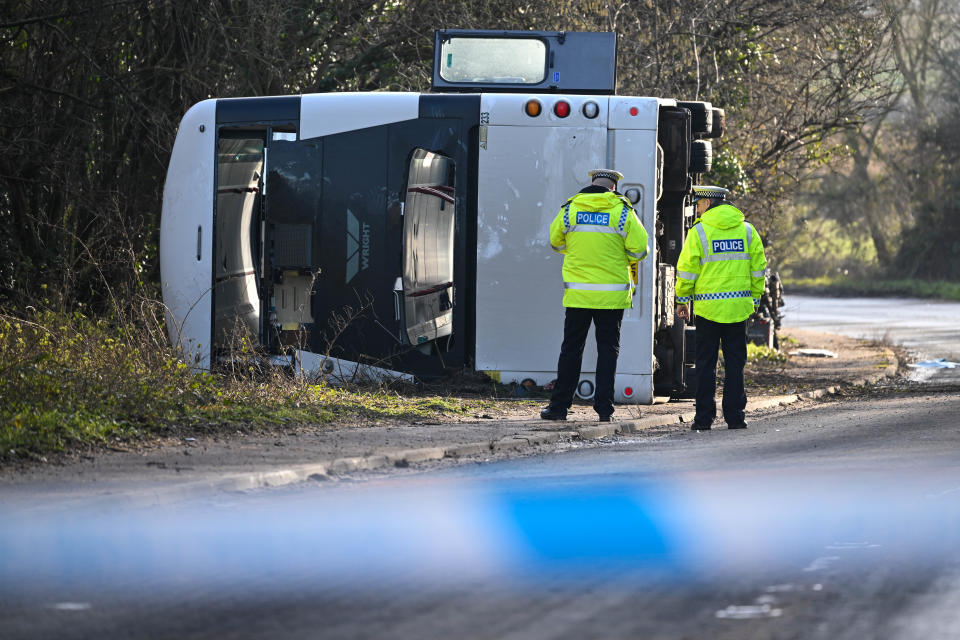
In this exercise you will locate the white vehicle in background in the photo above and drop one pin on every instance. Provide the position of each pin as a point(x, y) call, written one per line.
point(408, 231)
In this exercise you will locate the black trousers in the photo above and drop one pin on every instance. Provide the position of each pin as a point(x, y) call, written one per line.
point(732, 337)
point(606, 323)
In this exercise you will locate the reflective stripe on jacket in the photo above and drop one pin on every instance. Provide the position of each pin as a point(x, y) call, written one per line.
point(721, 266)
point(600, 237)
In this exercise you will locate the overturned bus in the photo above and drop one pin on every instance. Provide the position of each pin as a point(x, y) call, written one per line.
point(408, 231)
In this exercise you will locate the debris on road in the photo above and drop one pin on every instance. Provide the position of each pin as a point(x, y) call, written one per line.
point(814, 353)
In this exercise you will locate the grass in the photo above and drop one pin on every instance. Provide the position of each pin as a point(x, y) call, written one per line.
point(846, 286)
point(69, 382)
point(757, 353)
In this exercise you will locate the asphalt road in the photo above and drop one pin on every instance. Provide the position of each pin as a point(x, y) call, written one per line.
point(839, 521)
point(928, 329)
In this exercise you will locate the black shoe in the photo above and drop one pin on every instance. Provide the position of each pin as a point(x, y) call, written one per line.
point(604, 418)
point(737, 425)
point(699, 427)
point(549, 413)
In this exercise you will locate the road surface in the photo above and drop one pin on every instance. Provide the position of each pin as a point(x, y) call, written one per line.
point(928, 329)
point(838, 521)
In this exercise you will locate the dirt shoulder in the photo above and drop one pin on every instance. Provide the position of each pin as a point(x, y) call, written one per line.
point(856, 360)
point(242, 460)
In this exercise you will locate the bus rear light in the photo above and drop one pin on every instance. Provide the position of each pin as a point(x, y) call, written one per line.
point(533, 108)
point(628, 391)
point(591, 109)
point(634, 111)
point(562, 108)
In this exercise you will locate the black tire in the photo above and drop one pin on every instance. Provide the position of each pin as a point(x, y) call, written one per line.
point(701, 156)
point(701, 120)
point(719, 123)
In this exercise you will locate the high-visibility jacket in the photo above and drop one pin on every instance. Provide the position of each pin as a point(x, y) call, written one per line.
point(721, 266)
point(600, 236)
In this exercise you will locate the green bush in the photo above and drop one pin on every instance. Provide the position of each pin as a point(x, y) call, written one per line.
point(69, 379)
point(68, 382)
point(757, 353)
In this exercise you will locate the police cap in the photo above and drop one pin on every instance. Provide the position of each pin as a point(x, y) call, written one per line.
point(609, 174)
point(701, 191)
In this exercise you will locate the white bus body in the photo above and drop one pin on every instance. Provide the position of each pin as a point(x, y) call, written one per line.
point(420, 221)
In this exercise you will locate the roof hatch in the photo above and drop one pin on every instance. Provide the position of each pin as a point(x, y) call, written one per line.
point(470, 60)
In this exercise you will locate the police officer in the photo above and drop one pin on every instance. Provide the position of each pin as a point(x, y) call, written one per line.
point(721, 268)
point(600, 236)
